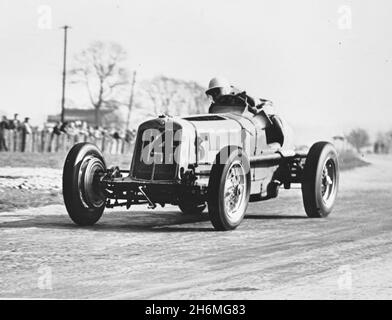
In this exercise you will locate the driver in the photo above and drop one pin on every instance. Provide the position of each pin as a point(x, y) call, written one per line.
point(218, 87)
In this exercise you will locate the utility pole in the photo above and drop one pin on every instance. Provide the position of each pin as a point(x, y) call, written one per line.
point(131, 98)
point(64, 72)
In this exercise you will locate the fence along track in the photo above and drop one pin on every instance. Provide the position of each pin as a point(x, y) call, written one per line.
point(44, 141)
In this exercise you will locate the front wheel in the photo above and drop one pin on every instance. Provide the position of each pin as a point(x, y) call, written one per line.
point(229, 189)
point(320, 180)
point(83, 198)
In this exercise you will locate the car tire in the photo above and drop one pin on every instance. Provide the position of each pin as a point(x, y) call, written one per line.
point(229, 177)
point(83, 199)
point(320, 180)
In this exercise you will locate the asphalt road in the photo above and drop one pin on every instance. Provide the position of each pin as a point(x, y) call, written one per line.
point(275, 253)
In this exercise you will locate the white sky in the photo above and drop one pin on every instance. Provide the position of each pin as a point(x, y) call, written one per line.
point(292, 52)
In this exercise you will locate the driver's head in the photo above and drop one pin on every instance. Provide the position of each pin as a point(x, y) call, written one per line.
point(218, 87)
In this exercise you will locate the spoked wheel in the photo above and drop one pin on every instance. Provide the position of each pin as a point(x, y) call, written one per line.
point(320, 180)
point(228, 191)
point(328, 182)
point(83, 198)
point(234, 191)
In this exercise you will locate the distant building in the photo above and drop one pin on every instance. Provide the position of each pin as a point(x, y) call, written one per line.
point(73, 114)
point(382, 146)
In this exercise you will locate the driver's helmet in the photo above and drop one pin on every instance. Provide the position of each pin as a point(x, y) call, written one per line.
point(217, 87)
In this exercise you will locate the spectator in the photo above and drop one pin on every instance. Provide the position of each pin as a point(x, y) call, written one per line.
point(116, 135)
point(26, 131)
point(63, 126)
point(71, 128)
point(15, 123)
point(130, 135)
point(26, 128)
point(83, 130)
point(4, 126)
point(57, 129)
point(55, 136)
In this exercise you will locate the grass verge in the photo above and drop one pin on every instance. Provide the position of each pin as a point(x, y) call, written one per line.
point(54, 160)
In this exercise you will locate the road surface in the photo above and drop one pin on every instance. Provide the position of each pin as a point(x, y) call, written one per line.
point(275, 253)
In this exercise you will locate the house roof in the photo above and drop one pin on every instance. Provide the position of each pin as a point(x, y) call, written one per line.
point(75, 114)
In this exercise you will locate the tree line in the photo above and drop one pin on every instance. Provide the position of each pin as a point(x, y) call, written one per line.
point(100, 70)
point(359, 138)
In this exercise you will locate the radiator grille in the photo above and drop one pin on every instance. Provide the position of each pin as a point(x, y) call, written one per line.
point(154, 158)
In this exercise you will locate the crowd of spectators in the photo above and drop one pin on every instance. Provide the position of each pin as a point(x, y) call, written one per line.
point(81, 129)
point(16, 125)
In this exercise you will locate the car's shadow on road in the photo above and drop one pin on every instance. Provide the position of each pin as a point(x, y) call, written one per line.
point(273, 217)
point(142, 221)
point(118, 222)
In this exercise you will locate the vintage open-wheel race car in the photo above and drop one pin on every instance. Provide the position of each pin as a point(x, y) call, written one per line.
point(221, 160)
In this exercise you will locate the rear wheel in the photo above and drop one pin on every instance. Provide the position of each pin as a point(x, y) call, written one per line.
point(321, 180)
point(228, 190)
point(83, 198)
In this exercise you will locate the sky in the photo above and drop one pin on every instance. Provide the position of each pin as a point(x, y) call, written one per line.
point(326, 65)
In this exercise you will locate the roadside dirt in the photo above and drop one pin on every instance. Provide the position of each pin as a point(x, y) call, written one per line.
point(276, 252)
point(30, 178)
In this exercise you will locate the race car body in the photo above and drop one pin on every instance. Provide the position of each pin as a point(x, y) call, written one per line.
point(222, 160)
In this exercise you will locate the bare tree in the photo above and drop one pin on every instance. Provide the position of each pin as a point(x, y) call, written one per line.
point(359, 138)
point(175, 96)
point(99, 69)
point(200, 98)
point(162, 91)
